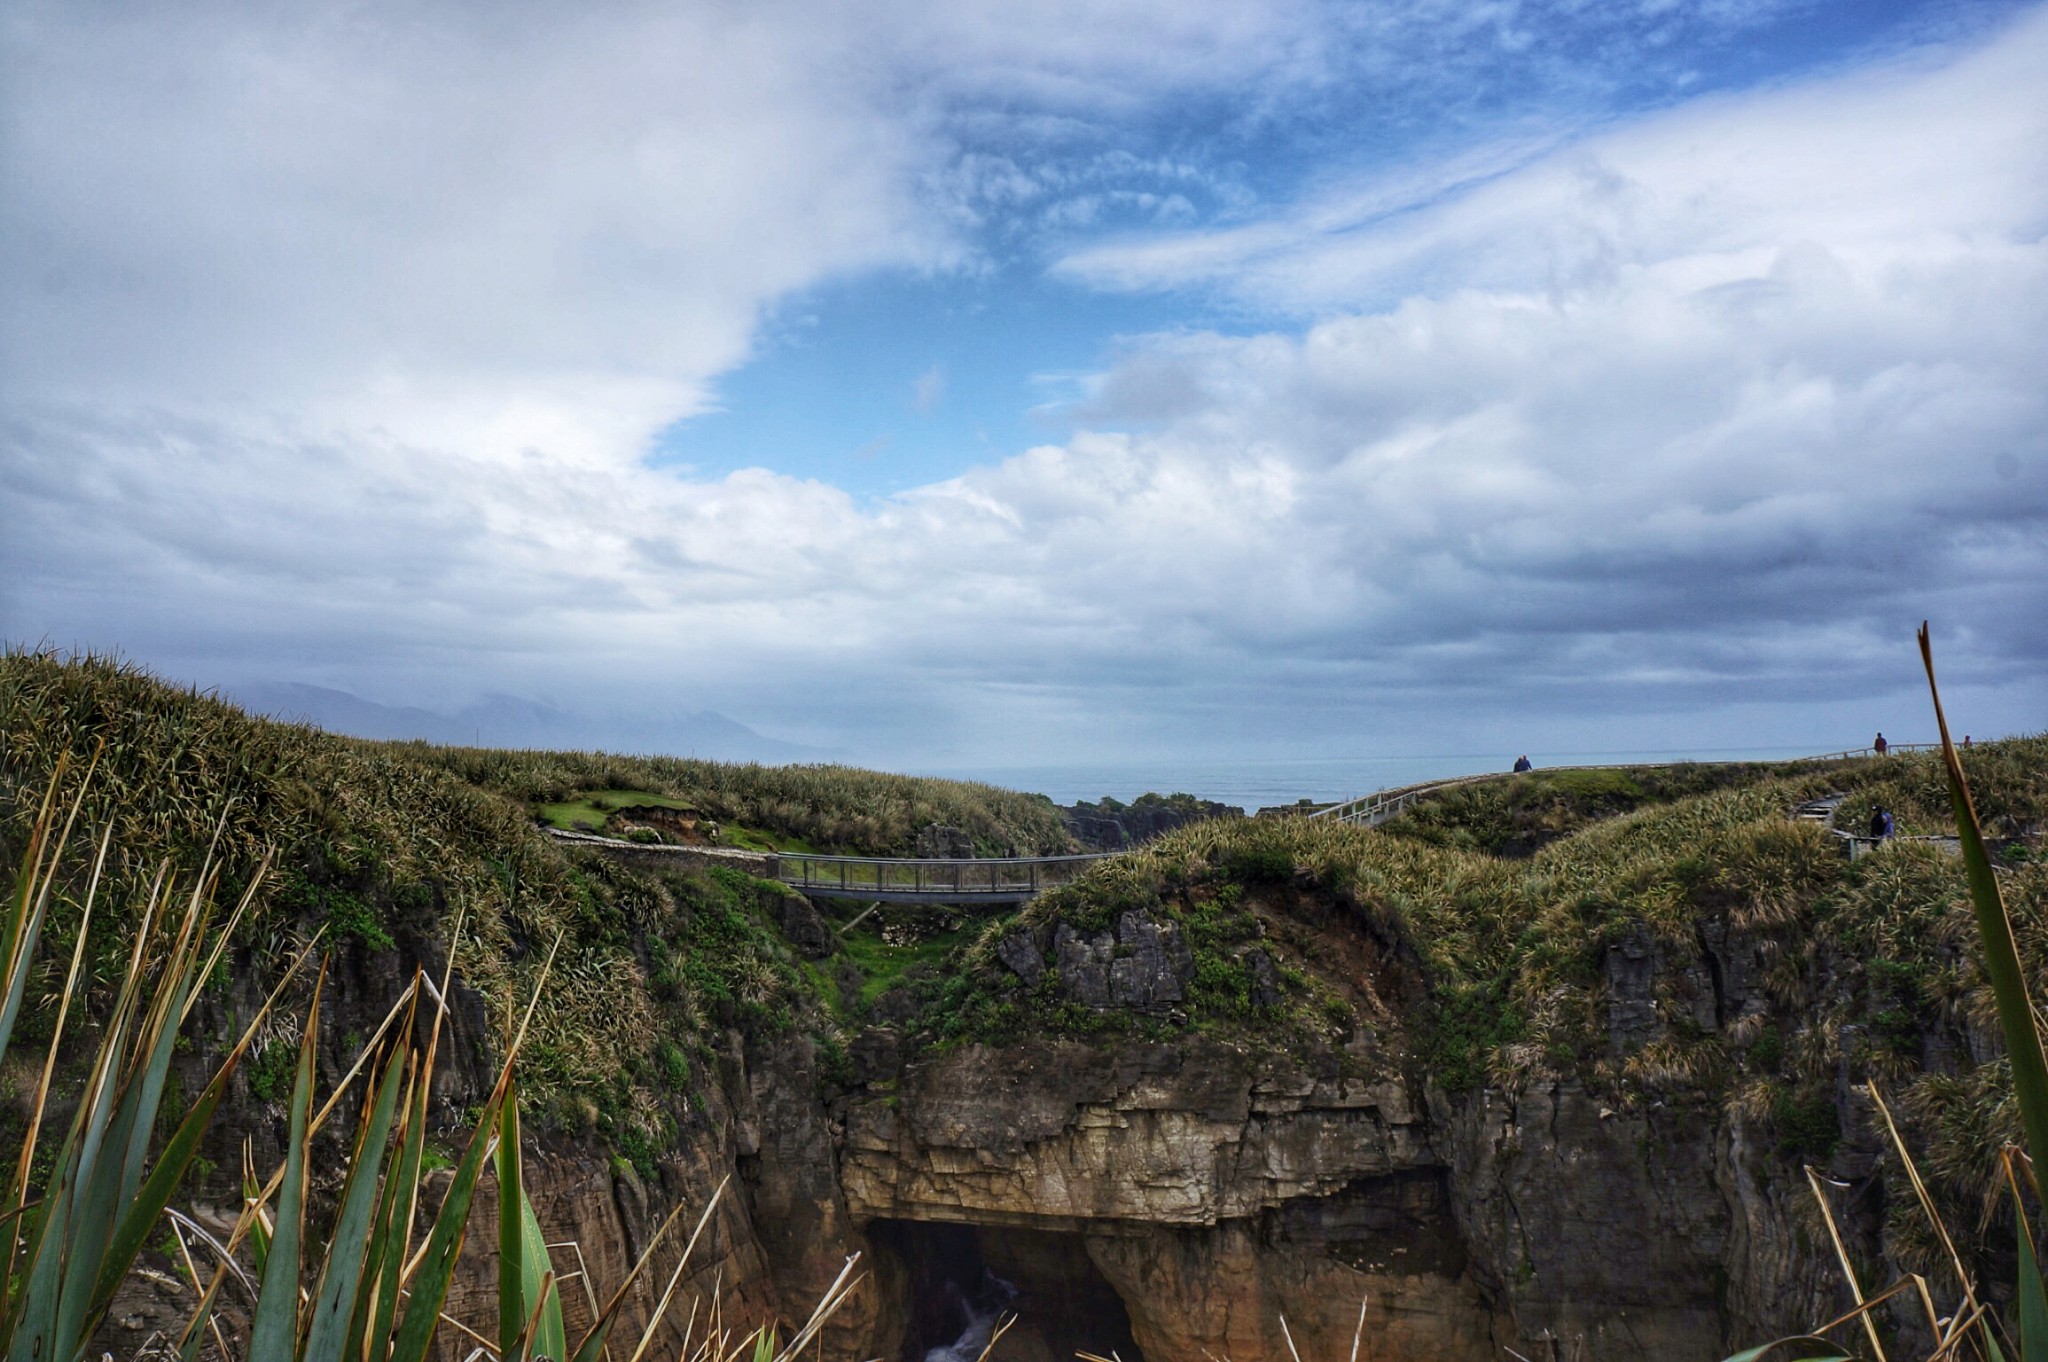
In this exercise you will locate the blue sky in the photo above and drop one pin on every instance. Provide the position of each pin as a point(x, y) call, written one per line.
point(895, 378)
point(962, 383)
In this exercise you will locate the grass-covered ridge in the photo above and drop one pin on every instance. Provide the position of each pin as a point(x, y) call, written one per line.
point(1843, 968)
point(840, 809)
point(383, 845)
point(1463, 964)
point(1517, 815)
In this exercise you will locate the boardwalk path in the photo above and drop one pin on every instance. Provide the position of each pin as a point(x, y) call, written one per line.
point(994, 882)
point(991, 882)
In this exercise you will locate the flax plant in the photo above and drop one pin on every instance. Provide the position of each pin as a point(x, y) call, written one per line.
point(376, 1294)
point(72, 1234)
point(1969, 1325)
point(360, 1286)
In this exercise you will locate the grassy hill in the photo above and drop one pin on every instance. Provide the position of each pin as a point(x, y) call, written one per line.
point(382, 846)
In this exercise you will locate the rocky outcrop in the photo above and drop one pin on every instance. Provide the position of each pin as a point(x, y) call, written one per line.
point(1215, 1189)
point(1112, 825)
point(1142, 965)
point(1069, 1136)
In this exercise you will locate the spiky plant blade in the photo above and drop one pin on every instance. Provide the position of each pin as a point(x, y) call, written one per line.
point(1994, 927)
point(334, 1303)
point(395, 1231)
point(36, 1331)
point(548, 1336)
point(526, 1281)
point(2033, 1299)
point(97, 1261)
point(436, 1264)
point(194, 1337)
point(18, 1187)
point(31, 900)
point(178, 1152)
point(274, 1330)
point(429, 1284)
point(513, 1300)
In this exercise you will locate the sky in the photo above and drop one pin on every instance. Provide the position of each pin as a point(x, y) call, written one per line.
point(966, 385)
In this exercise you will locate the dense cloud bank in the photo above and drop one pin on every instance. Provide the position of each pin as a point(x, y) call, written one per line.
point(339, 354)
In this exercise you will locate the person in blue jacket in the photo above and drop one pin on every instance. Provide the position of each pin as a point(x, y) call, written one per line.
point(1523, 763)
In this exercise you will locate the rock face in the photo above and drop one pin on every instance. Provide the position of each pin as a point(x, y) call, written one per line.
point(1143, 965)
point(1177, 1199)
point(1214, 1190)
point(1216, 1187)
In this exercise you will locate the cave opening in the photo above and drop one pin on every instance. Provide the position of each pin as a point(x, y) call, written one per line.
point(959, 1279)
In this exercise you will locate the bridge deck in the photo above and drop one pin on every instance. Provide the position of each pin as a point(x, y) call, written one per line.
point(987, 881)
point(981, 882)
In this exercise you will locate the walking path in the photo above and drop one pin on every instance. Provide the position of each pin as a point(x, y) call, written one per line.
point(1008, 880)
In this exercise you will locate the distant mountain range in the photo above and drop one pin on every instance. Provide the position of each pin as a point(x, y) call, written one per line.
point(509, 721)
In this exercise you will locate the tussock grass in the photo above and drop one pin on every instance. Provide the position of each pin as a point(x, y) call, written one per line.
point(840, 809)
point(367, 1279)
point(381, 846)
point(1857, 964)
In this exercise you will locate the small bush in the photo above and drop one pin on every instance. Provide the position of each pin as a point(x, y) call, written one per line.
point(1808, 1127)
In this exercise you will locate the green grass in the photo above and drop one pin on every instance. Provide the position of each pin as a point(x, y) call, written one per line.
point(1518, 815)
point(755, 839)
point(1510, 949)
point(587, 811)
point(883, 966)
point(828, 808)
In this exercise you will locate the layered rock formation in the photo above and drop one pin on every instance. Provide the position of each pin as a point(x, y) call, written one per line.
point(1177, 1193)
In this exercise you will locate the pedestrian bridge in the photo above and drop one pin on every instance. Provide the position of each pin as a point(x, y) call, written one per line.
point(987, 881)
point(979, 882)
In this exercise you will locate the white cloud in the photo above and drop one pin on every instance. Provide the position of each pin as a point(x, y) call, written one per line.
point(340, 341)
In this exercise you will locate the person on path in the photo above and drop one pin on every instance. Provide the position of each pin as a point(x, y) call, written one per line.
point(1522, 763)
point(1880, 822)
point(1879, 745)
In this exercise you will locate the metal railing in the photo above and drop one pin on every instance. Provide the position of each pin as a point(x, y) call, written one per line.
point(1853, 753)
point(1006, 879)
point(1376, 808)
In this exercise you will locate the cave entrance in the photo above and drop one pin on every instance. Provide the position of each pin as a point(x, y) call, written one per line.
point(961, 1277)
